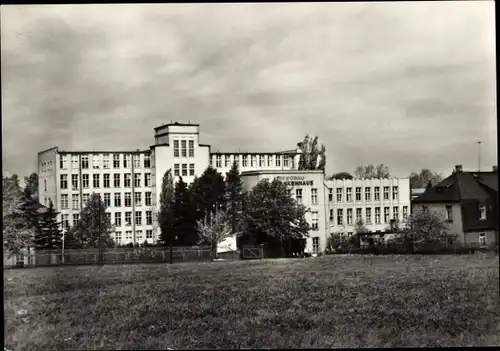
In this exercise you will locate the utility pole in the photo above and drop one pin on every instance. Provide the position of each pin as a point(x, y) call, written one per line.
point(479, 156)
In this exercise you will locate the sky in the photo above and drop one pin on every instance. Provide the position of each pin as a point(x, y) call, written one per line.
point(410, 85)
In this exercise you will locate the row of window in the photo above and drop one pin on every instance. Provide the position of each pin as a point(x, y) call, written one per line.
point(106, 181)
point(449, 212)
point(129, 236)
point(117, 200)
point(184, 169)
point(47, 166)
point(253, 161)
point(368, 194)
point(183, 150)
point(368, 215)
point(117, 219)
point(107, 161)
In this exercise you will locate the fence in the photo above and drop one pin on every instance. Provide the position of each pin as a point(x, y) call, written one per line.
point(252, 252)
point(111, 256)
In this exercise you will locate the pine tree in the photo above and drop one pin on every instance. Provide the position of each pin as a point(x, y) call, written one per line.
point(208, 193)
point(50, 235)
point(94, 228)
point(184, 223)
point(234, 196)
point(165, 215)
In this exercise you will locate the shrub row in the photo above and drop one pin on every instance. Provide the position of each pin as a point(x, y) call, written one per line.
point(398, 250)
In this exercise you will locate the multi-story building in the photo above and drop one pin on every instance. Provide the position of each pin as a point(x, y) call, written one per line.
point(374, 202)
point(468, 203)
point(129, 181)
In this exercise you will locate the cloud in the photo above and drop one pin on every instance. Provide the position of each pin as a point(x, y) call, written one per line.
point(411, 85)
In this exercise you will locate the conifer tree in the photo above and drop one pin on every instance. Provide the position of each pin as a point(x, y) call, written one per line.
point(234, 196)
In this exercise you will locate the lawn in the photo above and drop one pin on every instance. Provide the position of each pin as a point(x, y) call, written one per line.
point(335, 301)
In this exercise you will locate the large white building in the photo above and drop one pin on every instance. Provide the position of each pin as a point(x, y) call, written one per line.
point(129, 182)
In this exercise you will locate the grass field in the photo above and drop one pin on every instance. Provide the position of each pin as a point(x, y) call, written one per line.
point(335, 301)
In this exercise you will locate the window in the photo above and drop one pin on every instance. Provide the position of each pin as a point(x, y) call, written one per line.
point(331, 216)
point(261, 161)
point(359, 217)
point(75, 199)
point(330, 195)
point(64, 181)
point(245, 160)
point(278, 161)
point(298, 195)
point(127, 180)
point(65, 221)
point(184, 170)
point(116, 160)
point(340, 217)
point(176, 170)
point(377, 215)
point(269, 161)
point(126, 161)
point(368, 215)
point(377, 193)
point(368, 194)
point(191, 148)
point(395, 193)
point(285, 161)
point(108, 216)
point(176, 148)
point(105, 161)
point(85, 199)
point(183, 148)
point(147, 161)
point(314, 196)
point(74, 161)
point(95, 162)
point(107, 199)
point(95, 180)
point(348, 194)
point(147, 179)
point(74, 181)
point(118, 219)
point(118, 200)
point(237, 160)
point(116, 180)
point(386, 214)
point(147, 196)
point(349, 216)
point(128, 235)
point(358, 193)
point(76, 218)
point(149, 217)
point(137, 180)
point(138, 218)
point(63, 162)
point(339, 194)
point(43, 167)
point(128, 218)
point(138, 199)
point(128, 199)
point(386, 193)
point(253, 161)
point(314, 223)
point(482, 239)
point(45, 184)
point(191, 169)
point(482, 211)
point(227, 161)
point(138, 235)
point(137, 161)
point(405, 213)
point(316, 245)
point(149, 234)
point(64, 201)
point(106, 180)
point(118, 237)
point(395, 213)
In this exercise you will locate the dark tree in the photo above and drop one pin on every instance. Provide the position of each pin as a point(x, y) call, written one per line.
point(234, 196)
point(424, 178)
point(208, 193)
point(184, 224)
point(312, 155)
point(341, 175)
point(49, 235)
point(165, 216)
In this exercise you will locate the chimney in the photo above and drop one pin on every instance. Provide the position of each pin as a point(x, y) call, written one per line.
point(495, 169)
point(458, 168)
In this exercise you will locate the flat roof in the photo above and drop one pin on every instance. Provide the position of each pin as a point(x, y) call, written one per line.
point(177, 124)
point(283, 171)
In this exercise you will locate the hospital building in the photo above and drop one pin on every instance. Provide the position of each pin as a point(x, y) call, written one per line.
point(129, 183)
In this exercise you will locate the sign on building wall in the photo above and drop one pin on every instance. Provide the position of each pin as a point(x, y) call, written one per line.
point(295, 180)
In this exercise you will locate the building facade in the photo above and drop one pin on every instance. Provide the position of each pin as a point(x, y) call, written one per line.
point(375, 202)
point(129, 182)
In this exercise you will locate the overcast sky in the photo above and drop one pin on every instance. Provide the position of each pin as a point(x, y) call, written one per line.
point(410, 85)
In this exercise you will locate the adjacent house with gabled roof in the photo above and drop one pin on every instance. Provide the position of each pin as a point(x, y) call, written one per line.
point(469, 202)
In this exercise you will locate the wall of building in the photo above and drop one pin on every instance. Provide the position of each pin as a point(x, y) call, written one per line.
point(47, 177)
point(400, 200)
point(454, 224)
point(270, 161)
point(473, 238)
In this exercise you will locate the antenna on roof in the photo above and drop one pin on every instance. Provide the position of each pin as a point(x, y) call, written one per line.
point(479, 156)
